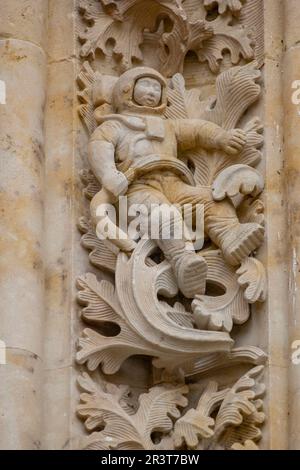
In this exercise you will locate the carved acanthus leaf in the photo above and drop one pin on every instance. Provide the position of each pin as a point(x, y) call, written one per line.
point(252, 277)
point(252, 18)
point(102, 407)
point(126, 25)
point(226, 38)
point(91, 185)
point(197, 424)
point(85, 80)
point(100, 255)
point(220, 312)
point(238, 416)
point(237, 180)
point(142, 320)
point(249, 445)
point(117, 8)
point(102, 306)
point(123, 25)
point(237, 90)
point(251, 211)
point(234, 6)
point(213, 362)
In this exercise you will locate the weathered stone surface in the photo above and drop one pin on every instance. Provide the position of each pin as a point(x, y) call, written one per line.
point(292, 173)
point(23, 59)
point(62, 26)
point(22, 159)
point(20, 396)
point(144, 128)
point(159, 330)
point(25, 20)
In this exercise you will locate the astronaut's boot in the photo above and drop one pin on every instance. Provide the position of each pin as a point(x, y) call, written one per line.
point(189, 268)
point(237, 241)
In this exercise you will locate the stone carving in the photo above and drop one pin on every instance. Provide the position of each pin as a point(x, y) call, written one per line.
point(237, 412)
point(233, 5)
point(156, 142)
point(176, 26)
point(124, 428)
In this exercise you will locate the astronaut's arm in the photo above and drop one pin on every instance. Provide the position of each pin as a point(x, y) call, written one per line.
point(101, 157)
point(199, 133)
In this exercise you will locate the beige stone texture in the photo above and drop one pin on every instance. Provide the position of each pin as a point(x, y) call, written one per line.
point(22, 157)
point(52, 347)
point(23, 36)
point(275, 251)
point(60, 226)
point(292, 175)
point(144, 125)
point(25, 20)
point(20, 396)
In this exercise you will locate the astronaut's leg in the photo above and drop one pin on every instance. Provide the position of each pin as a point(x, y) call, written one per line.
point(189, 268)
point(237, 241)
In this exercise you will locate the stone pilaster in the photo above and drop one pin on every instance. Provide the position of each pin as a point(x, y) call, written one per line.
point(274, 320)
point(23, 37)
point(292, 167)
point(60, 225)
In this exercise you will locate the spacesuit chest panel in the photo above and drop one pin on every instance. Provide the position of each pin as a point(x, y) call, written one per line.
point(138, 144)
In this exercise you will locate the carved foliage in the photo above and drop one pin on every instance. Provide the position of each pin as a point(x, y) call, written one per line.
point(177, 26)
point(234, 6)
point(238, 418)
point(140, 313)
point(124, 429)
point(236, 90)
point(141, 326)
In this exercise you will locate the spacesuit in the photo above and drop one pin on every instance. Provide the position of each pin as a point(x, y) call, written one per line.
point(137, 136)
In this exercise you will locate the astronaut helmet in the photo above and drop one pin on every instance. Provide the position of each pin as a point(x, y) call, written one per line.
point(124, 92)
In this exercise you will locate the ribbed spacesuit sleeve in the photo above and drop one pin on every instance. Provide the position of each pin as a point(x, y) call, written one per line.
point(193, 133)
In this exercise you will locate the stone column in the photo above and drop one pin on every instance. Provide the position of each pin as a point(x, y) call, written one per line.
point(23, 36)
point(61, 234)
point(292, 159)
point(275, 319)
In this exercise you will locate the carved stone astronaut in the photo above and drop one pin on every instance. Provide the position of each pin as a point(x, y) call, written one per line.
point(138, 136)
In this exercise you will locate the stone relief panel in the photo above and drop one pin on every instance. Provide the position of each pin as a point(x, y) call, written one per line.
point(162, 146)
